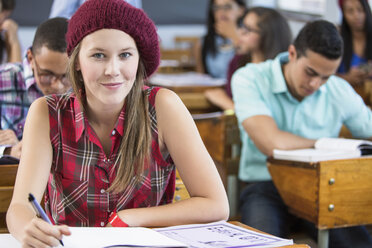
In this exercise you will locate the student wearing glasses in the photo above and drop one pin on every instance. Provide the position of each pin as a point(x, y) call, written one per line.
point(218, 46)
point(42, 72)
point(263, 34)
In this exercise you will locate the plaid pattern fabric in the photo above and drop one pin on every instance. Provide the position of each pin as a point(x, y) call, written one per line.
point(81, 173)
point(18, 90)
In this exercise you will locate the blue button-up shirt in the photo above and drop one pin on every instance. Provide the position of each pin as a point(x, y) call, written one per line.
point(260, 89)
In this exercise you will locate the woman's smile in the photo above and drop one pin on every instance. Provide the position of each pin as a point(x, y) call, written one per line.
point(112, 86)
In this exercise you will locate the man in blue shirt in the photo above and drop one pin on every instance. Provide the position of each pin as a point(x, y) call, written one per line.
point(289, 103)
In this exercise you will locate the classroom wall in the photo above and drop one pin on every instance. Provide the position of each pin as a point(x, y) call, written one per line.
point(189, 24)
point(168, 32)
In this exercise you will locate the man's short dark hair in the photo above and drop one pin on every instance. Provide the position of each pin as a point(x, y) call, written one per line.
point(51, 34)
point(321, 37)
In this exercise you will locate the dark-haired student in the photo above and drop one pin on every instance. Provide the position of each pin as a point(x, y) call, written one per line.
point(10, 47)
point(356, 32)
point(217, 47)
point(42, 72)
point(288, 103)
point(263, 34)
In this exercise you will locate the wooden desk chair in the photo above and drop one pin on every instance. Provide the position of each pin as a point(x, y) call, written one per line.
point(365, 91)
point(220, 134)
point(181, 192)
point(183, 57)
point(330, 194)
point(7, 179)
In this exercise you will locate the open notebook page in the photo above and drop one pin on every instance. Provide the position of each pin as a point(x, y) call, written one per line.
point(98, 237)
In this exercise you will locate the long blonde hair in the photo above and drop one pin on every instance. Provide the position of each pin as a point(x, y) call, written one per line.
point(134, 151)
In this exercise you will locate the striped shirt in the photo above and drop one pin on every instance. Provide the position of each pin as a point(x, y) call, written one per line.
point(18, 90)
point(81, 172)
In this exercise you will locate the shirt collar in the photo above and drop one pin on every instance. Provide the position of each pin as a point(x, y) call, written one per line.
point(280, 85)
point(80, 119)
point(28, 74)
point(277, 72)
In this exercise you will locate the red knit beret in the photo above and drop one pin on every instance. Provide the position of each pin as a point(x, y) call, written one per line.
point(116, 14)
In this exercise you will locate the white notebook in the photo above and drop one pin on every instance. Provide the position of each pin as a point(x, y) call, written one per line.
point(98, 237)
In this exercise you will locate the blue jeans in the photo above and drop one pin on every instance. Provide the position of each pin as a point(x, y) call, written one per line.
point(263, 209)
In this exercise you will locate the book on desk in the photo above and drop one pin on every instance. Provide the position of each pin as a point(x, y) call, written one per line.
point(327, 149)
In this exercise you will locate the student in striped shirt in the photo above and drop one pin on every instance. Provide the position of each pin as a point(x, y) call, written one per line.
point(42, 72)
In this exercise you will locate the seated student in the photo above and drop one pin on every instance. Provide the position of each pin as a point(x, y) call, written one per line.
point(263, 34)
point(356, 32)
point(288, 103)
point(43, 72)
point(218, 46)
point(106, 154)
point(10, 47)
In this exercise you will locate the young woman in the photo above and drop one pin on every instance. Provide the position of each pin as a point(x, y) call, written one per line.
point(218, 46)
point(356, 31)
point(109, 150)
point(263, 33)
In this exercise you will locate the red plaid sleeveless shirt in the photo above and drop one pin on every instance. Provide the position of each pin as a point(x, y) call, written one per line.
point(81, 173)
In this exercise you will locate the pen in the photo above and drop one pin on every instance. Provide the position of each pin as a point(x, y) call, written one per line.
point(39, 211)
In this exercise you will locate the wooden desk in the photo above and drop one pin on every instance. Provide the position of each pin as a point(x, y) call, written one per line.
point(237, 223)
point(190, 87)
point(330, 194)
point(9, 241)
point(7, 179)
point(194, 99)
point(365, 91)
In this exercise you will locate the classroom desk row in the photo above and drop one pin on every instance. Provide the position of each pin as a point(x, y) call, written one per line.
point(7, 178)
point(331, 194)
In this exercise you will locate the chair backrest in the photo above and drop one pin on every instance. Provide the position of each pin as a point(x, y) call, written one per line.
point(220, 134)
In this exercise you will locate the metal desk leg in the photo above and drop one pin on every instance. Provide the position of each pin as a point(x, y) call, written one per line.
point(232, 194)
point(323, 238)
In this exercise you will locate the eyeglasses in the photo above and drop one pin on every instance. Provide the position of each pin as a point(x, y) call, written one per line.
point(247, 29)
point(46, 78)
point(225, 7)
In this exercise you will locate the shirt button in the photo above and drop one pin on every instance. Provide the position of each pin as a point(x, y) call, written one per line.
point(108, 160)
point(20, 126)
point(102, 223)
point(103, 191)
point(113, 132)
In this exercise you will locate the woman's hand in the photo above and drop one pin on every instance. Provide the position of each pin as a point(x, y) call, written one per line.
point(8, 137)
point(227, 29)
point(13, 45)
point(11, 29)
point(16, 150)
point(356, 76)
point(39, 233)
